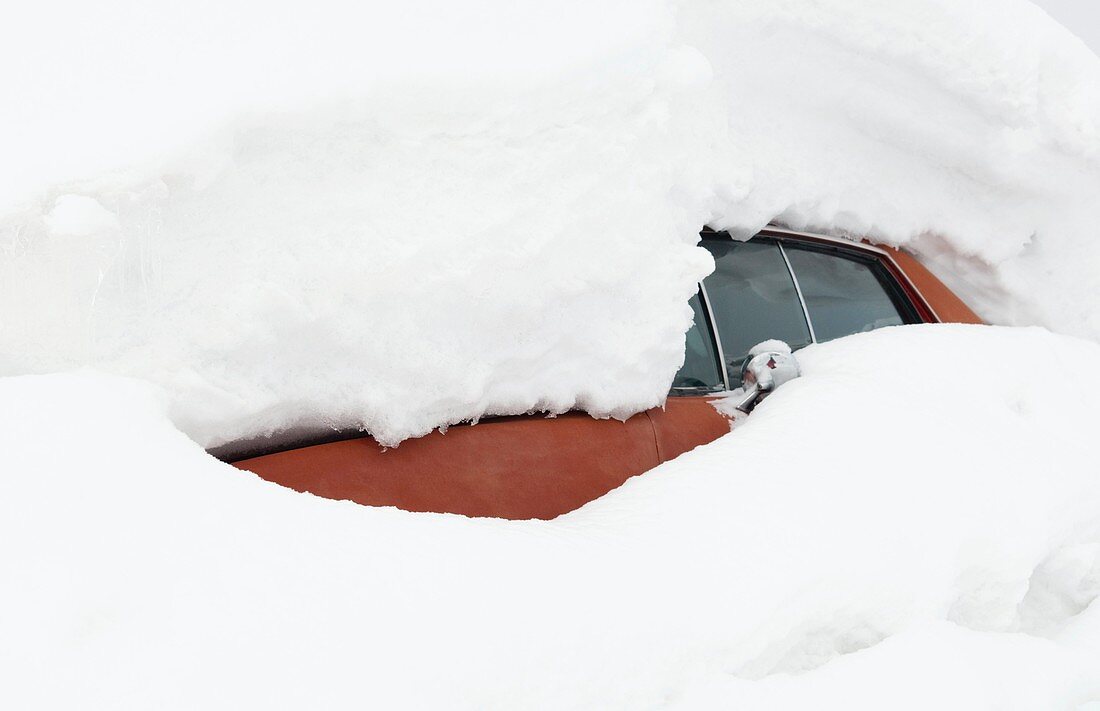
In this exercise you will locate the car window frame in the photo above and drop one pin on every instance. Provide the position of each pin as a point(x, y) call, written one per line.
point(897, 295)
point(716, 350)
point(910, 305)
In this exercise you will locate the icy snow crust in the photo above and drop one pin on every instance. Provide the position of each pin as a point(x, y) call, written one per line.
point(397, 219)
point(867, 539)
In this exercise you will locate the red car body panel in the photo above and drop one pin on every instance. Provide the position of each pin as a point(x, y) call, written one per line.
point(508, 467)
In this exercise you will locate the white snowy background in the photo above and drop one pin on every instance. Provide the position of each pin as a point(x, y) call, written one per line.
point(222, 219)
point(1081, 17)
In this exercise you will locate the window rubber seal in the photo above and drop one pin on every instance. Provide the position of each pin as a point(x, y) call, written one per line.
point(713, 325)
point(798, 290)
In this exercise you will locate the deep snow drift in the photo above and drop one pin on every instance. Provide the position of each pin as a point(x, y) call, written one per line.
point(399, 217)
point(867, 539)
point(402, 218)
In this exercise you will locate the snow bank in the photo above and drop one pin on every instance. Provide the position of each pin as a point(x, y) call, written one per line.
point(891, 530)
point(968, 132)
point(399, 218)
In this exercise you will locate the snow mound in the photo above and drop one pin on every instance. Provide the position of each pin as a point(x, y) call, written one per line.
point(402, 218)
point(911, 524)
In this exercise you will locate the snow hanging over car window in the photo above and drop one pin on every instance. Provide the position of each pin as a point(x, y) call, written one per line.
point(397, 218)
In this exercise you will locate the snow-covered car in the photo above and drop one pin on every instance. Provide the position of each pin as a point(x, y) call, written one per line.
point(794, 287)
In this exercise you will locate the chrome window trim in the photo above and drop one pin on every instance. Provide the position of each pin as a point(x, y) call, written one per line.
point(781, 232)
point(798, 290)
point(784, 232)
point(717, 336)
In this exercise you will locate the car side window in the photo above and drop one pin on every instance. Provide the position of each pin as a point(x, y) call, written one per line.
point(753, 299)
point(700, 369)
point(843, 295)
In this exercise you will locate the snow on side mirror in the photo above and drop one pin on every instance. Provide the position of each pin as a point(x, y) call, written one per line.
point(769, 365)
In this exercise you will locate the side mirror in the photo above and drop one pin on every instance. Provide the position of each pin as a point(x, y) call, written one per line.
point(769, 365)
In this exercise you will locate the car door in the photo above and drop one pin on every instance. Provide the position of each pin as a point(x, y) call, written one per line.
point(775, 287)
point(537, 467)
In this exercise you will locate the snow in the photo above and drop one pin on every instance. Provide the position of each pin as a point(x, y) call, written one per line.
point(888, 530)
point(396, 218)
point(939, 665)
point(1083, 19)
point(223, 219)
point(79, 216)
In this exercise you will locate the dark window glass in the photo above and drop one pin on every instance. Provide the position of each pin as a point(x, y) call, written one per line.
point(843, 295)
point(753, 299)
point(700, 369)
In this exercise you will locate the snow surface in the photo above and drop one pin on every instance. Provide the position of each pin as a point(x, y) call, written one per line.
point(237, 217)
point(1082, 18)
point(400, 217)
point(911, 525)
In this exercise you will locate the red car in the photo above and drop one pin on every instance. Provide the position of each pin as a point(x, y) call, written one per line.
point(791, 286)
